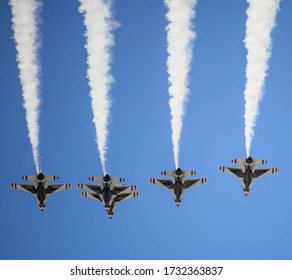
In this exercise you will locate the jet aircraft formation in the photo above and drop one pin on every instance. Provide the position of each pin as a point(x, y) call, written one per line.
point(110, 190)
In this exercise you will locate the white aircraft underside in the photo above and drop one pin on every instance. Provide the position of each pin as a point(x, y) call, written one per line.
point(40, 189)
point(108, 192)
point(248, 173)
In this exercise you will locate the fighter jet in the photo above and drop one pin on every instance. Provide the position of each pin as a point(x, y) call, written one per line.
point(247, 174)
point(108, 192)
point(40, 189)
point(178, 183)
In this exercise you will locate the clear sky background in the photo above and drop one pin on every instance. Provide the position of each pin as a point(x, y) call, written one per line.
point(215, 220)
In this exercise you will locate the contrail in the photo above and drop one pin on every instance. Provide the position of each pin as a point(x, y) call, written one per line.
point(261, 19)
point(25, 15)
point(99, 33)
point(179, 39)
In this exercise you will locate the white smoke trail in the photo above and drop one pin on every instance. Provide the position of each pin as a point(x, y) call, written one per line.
point(25, 25)
point(261, 19)
point(99, 27)
point(179, 38)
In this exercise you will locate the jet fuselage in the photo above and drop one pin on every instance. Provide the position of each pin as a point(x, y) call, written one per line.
point(247, 177)
point(106, 194)
point(41, 193)
point(178, 189)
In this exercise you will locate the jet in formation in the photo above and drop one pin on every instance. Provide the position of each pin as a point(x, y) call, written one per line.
point(247, 174)
point(40, 188)
point(178, 184)
point(109, 192)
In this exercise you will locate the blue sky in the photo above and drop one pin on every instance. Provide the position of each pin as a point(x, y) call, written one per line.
point(214, 221)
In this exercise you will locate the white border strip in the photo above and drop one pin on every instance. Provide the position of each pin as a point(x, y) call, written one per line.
point(147, 269)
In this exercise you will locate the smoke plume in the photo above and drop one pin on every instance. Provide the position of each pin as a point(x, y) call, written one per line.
point(261, 19)
point(179, 47)
point(25, 15)
point(99, 34)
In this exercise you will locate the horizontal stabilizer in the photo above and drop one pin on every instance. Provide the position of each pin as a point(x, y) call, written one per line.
point(117, 179)
point(168, 172)
point(101, 179)
point(260, 161)
point(29, 177)
point(189, 172)
point(238, 160)
point(51, 178)
point(96, 178)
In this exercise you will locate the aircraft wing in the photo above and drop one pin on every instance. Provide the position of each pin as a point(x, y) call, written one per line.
point(194, 182)
point(263, 172)
point(120, 197)
point(233, 171)
point(124, 196)
point(122, 189)
point(24, 187)
point(162, 182)
point(57, 187)
point(92, 195)
point(90, 187)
